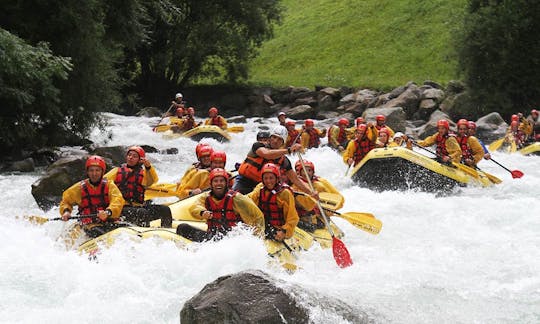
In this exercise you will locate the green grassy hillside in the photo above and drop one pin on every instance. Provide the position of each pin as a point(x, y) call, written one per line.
point(362, 43)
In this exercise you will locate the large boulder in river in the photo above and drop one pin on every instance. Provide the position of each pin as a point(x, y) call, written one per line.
point(395, 117)
point(491, 127)
point(256, 297)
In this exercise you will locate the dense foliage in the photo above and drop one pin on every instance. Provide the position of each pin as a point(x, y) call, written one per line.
point(500, 55)
point(125, 53)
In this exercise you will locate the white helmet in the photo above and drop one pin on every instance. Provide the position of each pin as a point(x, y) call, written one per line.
point(178, 95)
point(398, 134)
point(281, 132)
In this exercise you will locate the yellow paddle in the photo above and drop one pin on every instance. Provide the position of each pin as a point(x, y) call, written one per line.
point(364, 221)
point(496, 145)
point(42, 220)
point(235, 129)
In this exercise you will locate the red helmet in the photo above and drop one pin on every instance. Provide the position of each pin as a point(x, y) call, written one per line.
point(199, 147)
point(443, 123)
point(219, 172)
point(191, 111)
point(97, 161)
point(514, 123)
point(471, 125)
point(534, 112)
point(463, 122)
point(290, 122)
point(359, 120)
point(272, 168)
point(218, 156)
point(179, 111)
point(213, 110)
point(343, 121)
point(385, 131)
point(298, 165)
point(139, 150)
point(361, 127)
point(309, 122)
point(515, 117)
point(380, 118)
point(205, 151)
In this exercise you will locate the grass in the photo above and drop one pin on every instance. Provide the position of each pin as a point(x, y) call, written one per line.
point(362, 43)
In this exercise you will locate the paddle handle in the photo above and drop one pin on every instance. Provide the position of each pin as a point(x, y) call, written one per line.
point(502, 166)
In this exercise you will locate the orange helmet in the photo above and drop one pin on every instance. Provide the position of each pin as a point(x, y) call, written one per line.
point(179, 111)
point(191, 111)
point(463, 122)
point(380, 118)
point(343, 121)
point(213, 110)
point(205, 151)
point(97, 161)
point(272, 168)
point(218, 156)
point(219, 172)
point(515, 118)
point(359, 120)
point(309, 122)
point(298, 165)
point(361, 127)
point(290, 122)
point(471, 125)
point(443, 123)
point(139, 150)
point(385, 131)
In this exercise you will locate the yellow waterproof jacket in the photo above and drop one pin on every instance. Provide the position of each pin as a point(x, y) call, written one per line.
point(476, 149)
point(333, 134)
point(285, 201)
point(222, 121)
point(73, 195)
point(176, 121)
point(197, 179)
point(452, 146)
point(149, 177)
point(371, 133)
point(304, 138)
point(243, 206)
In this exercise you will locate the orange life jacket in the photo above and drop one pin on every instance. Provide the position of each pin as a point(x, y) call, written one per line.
point(273, 215)
point(252, 166)
point(93, 199)
point(362, 148)
point(224, 217)
point(314, 140)
point(341, 137)
point(465, 149)
point(129, 181)
point(293, 136)
point(216, 121)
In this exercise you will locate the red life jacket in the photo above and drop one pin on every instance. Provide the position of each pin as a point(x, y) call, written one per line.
point(252, 166)
point(341, 137)
point(465, 149)
point(216, 121)
point(441, 144)
point(292, 136)
point(93, 199)
point(361, 149)
point(224, 217)
point(314, 140)
point(189, 122)
point(129, 182)
point(273, 215)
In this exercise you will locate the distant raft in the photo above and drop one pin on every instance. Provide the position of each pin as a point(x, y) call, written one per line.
point(532, 149)
point(398, 168)
point(200, 132)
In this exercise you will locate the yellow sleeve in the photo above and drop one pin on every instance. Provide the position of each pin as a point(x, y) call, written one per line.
point(223, 123)
point(349, 151)
point(198, 206)
point(70, 197)
point(390, 131)
point(304, 140)
point(285, 200)
point(208, 121)
point(111, 175)
point(199, 179)
point(454, 150)
point(255, 194)
point(476, 149)
point(249, 212)
point(304, 201)
point(150, 177)
point(116, 201)
point(332, 139)
point(372, 134)
point(428, 141)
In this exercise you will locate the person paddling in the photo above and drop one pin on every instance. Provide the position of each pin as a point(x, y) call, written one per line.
point(311, 136)
point(222, 209)
point(365, 138)
point(216, 119)
point(132, 178)
point(472, 132)
point(448, 149)
point(471, 149)
point(337, 135)
point(95, 196)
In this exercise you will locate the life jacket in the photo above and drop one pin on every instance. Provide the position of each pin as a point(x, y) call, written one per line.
point(189, 122)
point(314, 140)
point(93, 199)
point(292, 136)
point(216, 121)
point(341, 137)
point(441, 144)
point(224, 217)
point(252, 166)
point(361, 149)
point(129, 182)
point(465, 149)
point(273, 215)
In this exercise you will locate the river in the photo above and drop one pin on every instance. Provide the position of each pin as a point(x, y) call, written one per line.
point(469, 257)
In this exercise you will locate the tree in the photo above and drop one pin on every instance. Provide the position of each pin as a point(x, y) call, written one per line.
point(500, 56)
point(29, 78)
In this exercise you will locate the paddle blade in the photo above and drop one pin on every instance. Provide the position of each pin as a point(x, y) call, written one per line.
point(36, 219)
point(516, 174)
point(341, 254)
point(364, 221)
point(496, 145)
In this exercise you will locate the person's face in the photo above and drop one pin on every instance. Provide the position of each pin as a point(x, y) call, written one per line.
point(132, 158)
point(380, 122)
point(205, 160)
point(212, 114)
point(359, 134)
point(275, 142)
point(472, 131)
point(442, 130)
point(219, 186)
point(383, 138)
point(463, 130)
point(94, 173)
point(269, 180)
point(281, 118)
point(179, 99)
point(398, 140)
point(217, 164)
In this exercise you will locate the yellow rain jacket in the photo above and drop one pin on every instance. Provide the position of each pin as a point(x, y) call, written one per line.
point(285, 201)
point(452, 146)
point(149, 177)
point(197, 179)
point(222, 122)
point(72, 196)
